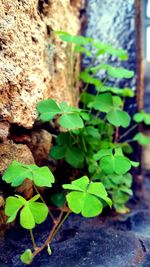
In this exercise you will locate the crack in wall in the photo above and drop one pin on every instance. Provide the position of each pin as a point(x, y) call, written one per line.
point(143, 245)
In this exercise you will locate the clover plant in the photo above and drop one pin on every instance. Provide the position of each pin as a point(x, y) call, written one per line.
point(95, 145)
point(89, 140)
point(85, 197)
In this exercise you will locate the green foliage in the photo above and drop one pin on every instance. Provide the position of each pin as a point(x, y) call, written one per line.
point(31, 213)
point(87, 140)
point(120, 73)
point(48, 109)
point(114, 175)
point(119, 118)
point(27, 256)
point(119, 187)
point(107, 48)
point(87, 78)
point(79, 40)
point(142, 117)
point(35, 212)
point(142, 139)
point(49, 251)
point(86, 196)
point(58, 199)
point(115, 163)
point(17, 172)
point(69, 117)
point(65, 149)
point(93, 146)
point(114, 72)
point(124, 92)
point(71, 121)
point(103, 102)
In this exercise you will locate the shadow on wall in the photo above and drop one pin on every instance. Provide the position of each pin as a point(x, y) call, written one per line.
point(147, 86)
point(146, 149)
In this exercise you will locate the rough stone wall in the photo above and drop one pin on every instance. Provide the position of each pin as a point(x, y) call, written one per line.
point(32, 67)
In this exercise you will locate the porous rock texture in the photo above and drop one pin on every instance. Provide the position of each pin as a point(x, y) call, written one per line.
point(21, 153)
point(9, 152)
point(33, 63)
point(33, 67)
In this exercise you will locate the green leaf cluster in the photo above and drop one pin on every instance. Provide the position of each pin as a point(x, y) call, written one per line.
point(17, 172)
point(86, 197)
point(81, 44)
point(114, 173)
point(119, 186)
point(66, 150)
point(142, 139)
point(101, 115)
point(31, 212)
point(114, 162)
point(69, 117)
point(88, 140)
point(142, 117)
point(115, 115)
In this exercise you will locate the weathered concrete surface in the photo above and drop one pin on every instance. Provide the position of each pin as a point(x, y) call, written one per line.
point(31, 66)
point(101, 248)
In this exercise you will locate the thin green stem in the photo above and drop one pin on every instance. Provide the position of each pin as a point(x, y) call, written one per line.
point(51, 215)
point(103, 126)
point(32, 239)
point(49, 239)
point(94, 174)
point(99, 90)
point(129, 141)
point(85, 88)
point(61, 223)
point(84, 144)
point(102, 85)
point(76, 141)
point(73, 137)
point(84, 91)
point(127, 132)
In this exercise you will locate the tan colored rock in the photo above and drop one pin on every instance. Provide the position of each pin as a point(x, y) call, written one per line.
point(39, 141)
point(31, 67)
point(40, 144)
point(4, 130)
point(21, 153)
point(10, 152)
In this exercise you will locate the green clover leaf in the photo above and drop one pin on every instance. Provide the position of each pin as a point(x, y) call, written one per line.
point(27, 256)
point(142, 117)
point(86, 195)
point(31, 213)
point(17, 172)
point(119, 118)
point(142, 139)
